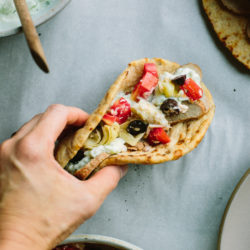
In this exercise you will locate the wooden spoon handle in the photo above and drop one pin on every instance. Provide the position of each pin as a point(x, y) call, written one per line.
point(31, 35)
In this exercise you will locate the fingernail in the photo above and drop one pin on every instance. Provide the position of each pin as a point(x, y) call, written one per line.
point(124, 170)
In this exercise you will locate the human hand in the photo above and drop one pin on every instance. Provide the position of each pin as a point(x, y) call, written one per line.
point(40, 203)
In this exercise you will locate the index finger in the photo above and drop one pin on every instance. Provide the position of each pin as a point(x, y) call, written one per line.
point(55, 119)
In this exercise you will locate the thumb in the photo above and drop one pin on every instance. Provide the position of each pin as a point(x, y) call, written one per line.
point(106, 180)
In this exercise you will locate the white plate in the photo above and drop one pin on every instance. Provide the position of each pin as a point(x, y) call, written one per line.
point(12, 27)
point(235, 227)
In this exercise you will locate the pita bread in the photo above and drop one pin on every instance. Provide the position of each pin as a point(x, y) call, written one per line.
point(231, 30)
point(185, 136)
point(237, 6)
point(248, 30)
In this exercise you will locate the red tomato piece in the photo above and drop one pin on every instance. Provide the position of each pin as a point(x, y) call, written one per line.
point(145, 87)
point(120, 108)
point(118, 112)
point(151, 68)
point(158, 136)
point(122, 119)
point(109, 119)
point(192, 89)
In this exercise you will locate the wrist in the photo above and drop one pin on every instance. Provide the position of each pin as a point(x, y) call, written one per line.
point(13, 245)
point(14, 240)
point(19, 238)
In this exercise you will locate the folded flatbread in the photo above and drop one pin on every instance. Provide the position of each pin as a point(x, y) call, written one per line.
point(185, 134)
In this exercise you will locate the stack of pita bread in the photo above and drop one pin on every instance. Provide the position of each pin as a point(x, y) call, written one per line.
point(231, 22)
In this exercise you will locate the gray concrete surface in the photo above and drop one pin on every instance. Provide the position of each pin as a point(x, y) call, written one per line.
point(176, 205)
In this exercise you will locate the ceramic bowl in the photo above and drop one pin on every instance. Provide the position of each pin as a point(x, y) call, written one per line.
point(101, 240)
point(12, 27)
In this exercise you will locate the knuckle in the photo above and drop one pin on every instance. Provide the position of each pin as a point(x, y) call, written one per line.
point(25, 144)
point(36, 116)
point(56, 107)
point(4, 149)
point(27, 149)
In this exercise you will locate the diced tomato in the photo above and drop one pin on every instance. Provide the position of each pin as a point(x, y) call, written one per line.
point(192, 89)
point(109, 119)
point(158, 136)
point(118, 112)
point(145, 87)
point(120, 108)
point(147, 84)
point(151, 68)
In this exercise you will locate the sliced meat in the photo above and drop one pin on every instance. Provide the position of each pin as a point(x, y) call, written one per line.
point(140, 146)
point(241, 7)
point(132, 148)
point(84, 172)
point(195, 110)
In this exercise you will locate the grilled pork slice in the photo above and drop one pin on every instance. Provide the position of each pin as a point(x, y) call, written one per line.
point(195, 110)
point(86, 170)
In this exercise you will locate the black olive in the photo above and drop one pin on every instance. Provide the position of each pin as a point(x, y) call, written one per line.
point(180, 80)
point(170, 107)
point(137, 127)
point(77, 157)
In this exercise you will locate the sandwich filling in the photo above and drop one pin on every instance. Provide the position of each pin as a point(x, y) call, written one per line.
point(142, 117)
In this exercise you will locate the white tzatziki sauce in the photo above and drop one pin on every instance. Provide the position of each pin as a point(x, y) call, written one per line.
point(190, 73)
point(115, 147)
point(8, 10)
